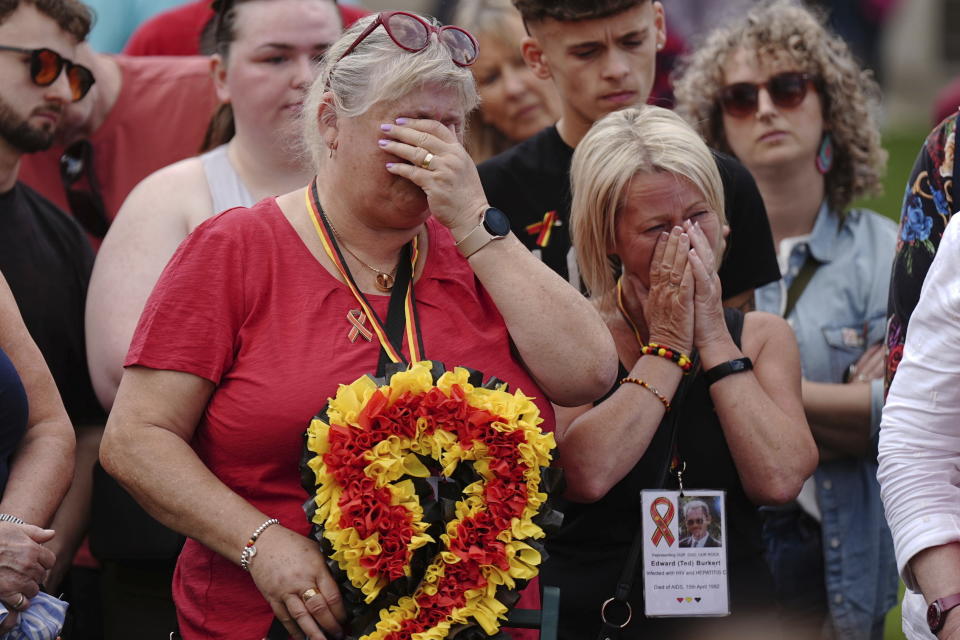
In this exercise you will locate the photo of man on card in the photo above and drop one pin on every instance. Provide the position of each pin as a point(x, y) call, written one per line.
point(697, 526)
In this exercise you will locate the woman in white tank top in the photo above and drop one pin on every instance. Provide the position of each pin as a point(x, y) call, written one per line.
point(266, 54)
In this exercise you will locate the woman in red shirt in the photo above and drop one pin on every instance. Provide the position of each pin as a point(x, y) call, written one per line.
point(250, 328)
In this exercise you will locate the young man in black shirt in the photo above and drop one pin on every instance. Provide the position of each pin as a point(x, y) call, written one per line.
point(601, 55)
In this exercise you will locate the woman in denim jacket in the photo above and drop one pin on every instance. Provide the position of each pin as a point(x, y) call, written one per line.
point(785, 96)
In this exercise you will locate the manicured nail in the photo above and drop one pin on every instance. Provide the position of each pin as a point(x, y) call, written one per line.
point(386, 127)
point(383, 142)
point(402, 121)
point(389, 165)
point(664, 235)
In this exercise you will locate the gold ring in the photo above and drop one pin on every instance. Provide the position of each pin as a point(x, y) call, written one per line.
point(17, 606)
point(309, 593)
point(427, 159)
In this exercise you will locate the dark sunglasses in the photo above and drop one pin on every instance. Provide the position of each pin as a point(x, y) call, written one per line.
point(412, 33)
point(787, 90)
point(45, 68)
point(694, 521)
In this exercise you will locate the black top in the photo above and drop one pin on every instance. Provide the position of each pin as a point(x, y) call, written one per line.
point(13, 415)
point(588, 553)
point(46, 258)
point(533, 178)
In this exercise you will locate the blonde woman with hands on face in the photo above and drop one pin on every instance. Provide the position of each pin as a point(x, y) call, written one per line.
point(647, 198)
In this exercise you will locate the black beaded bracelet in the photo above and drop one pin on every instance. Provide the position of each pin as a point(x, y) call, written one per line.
point(721, 371)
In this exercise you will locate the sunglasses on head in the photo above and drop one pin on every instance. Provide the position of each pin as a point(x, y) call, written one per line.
point(45, 68)
point(412, 33)
point(787, 90)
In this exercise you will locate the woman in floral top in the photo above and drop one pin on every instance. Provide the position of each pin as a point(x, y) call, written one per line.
point(928, 204)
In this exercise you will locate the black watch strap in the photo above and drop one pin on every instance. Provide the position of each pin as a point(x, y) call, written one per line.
point(721, 371)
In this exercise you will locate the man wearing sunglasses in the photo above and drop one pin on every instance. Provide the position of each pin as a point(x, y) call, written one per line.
point(601, 54)
point(44, 255)
point(141, 115)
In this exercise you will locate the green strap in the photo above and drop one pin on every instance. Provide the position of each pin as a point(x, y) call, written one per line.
point(800, 283)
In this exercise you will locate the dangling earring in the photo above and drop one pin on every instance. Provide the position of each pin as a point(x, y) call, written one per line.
point(825, 154)
point(331, 150)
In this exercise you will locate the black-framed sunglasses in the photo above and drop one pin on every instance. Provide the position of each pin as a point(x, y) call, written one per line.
point(412, 33)
point(787, 90)
point(46, 65)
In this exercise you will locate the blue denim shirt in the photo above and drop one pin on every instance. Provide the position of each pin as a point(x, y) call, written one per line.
point(841, 312)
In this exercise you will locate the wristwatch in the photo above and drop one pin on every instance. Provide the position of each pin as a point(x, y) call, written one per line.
point(493, 225)
point(938, 610)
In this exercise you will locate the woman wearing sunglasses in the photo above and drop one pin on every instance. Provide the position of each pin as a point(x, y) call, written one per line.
point(787, 98)
point(264, 311)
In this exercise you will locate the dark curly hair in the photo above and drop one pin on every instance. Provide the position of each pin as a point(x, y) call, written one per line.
point(569, 10)
point(72, 16)
point(785, 30)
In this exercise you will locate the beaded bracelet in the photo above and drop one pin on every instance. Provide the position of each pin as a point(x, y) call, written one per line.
point(662, 398)
point(249, 550)
point(681, 359)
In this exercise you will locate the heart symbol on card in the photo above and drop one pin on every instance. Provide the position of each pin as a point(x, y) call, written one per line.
point(697, 598)
point(679, 599)
point(395, 546)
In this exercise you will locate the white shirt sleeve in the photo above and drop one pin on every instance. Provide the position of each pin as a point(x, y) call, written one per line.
point(919, 448)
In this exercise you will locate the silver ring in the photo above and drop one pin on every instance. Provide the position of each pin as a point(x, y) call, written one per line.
point(427, 159)
point(603, 613)
point(17, 606)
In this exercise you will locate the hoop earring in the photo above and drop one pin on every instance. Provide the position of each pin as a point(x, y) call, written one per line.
point(825, 154)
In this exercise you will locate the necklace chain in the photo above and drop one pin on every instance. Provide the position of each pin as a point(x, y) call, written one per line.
point(384, 280)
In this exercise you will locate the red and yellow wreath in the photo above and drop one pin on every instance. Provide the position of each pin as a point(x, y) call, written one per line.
point(415, 561)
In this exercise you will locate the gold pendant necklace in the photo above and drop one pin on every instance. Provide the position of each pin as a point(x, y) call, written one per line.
point(384, 279)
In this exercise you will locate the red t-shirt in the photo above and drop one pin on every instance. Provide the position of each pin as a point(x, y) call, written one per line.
point(244, 304)
point(176, 32)
point(159, 117)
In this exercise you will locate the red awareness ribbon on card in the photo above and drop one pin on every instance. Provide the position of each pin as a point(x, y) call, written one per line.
point(662, 521)
point(357, 318)
point(543, 228)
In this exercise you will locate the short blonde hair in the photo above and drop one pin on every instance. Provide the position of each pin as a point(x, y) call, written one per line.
point(785, 30)
point(378, 70)
point(624, 143)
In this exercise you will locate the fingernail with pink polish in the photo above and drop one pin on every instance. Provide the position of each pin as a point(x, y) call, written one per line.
point(383, 142)
point(389, 165)
point(402, 121)
point(386, 127)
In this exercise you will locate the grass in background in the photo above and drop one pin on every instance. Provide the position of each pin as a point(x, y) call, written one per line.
point(902, 144)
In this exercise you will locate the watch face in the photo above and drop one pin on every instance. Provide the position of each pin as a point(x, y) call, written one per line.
point(496, 222)
point(934, 617)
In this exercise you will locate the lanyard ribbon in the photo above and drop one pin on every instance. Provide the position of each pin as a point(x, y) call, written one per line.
point(393, 350)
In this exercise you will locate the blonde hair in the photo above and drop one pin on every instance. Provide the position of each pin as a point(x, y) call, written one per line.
point(785, 30)
point(486, 18)
point(378, 70)
point(624, 143)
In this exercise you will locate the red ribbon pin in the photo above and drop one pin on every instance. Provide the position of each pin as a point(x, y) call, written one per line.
point(543, 228)
point(662, 521)
point(357, 318)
